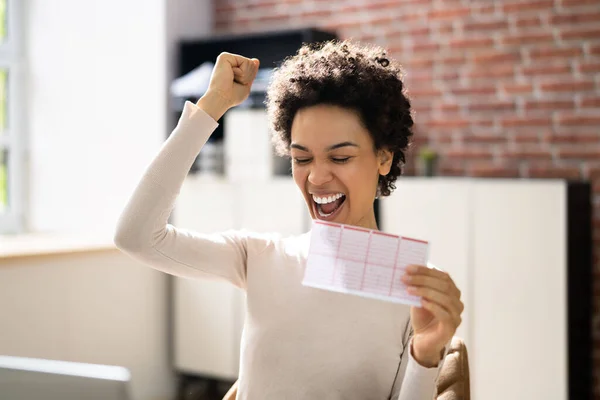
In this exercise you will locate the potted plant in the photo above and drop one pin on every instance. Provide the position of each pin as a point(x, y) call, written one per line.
point(427, 161)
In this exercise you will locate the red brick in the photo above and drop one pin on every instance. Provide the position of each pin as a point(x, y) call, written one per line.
point(448, 75)
point(567, 86)
point(474, 90)
point(444, 29)
point(444, 137)
point(482, 9)
point(344, 24)
point(496, 106)
point(365, 37)
point(580, 138)
point(581, 33)
point(589, 67)
point(418, 31)
point(502, 71)
point(528, 154)
point(345, 9)
point(545, 69)
point(493, 171)
point(422, 107)
point(424, 91)
point(579, 120)
point(517, 88)
point(520, 121)
point(448, 123)
point(425, 75)
point(457, 59)
point(447, 108)
point(593, 101)
point(554, 52)
point(380, 5)
point(479, 121)
point(402, 33)
point(273, 18)
point(527, 38)
point(449, 13)
point(553, 171)
point(316, 14)
point(579, 153)
point(575, 18)
point(496, 57)
point(418, 63)
point(452, 168)
point(525, 136)
point(259, 5)
point(577, 2)
point(471, 43)
point(528, 22)
point(469, 154)
point(595, 50)
point(532, 105)
point(485, 138)
point(531, 5)
point(485, 26)
point(395, 50)
point(424, 46)
point(385, 19)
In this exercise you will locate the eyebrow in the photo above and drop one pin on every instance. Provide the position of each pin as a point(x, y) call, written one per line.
point(330, 148)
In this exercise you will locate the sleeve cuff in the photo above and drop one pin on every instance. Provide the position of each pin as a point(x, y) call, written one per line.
point(194, 114)
point(413, 363)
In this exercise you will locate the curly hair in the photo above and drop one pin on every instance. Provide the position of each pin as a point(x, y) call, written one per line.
point(352, 76)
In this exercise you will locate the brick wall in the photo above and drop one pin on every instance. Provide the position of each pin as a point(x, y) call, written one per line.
point(500, 88)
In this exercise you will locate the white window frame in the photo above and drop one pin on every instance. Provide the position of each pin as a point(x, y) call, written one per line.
point(14, 139)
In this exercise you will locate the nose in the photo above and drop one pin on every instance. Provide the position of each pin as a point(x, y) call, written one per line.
point(319, 175)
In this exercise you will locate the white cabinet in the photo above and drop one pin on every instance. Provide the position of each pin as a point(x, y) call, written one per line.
point(519, 286)
point(209, 315)
point(505, 244)
point(434, 210)
point(205, 312)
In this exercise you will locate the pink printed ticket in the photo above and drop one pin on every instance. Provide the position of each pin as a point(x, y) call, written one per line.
point(363, 262)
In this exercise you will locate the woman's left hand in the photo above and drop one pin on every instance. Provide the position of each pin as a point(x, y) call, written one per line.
point(436, 321)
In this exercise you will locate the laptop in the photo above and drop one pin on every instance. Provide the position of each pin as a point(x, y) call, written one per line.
point(24, 378)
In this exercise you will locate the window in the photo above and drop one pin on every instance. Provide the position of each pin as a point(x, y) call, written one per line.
point(12, 135)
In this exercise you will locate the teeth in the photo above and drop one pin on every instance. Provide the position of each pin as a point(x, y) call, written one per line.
point(326, 199)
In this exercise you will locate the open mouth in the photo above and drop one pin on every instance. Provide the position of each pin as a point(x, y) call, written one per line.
point(327, 207)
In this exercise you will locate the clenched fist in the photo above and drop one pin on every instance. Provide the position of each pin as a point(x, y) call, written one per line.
point(230, 83)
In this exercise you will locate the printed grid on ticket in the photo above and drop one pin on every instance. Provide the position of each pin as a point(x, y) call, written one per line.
point(363, 262)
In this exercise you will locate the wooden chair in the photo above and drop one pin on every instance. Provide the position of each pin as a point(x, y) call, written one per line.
point(453, 382)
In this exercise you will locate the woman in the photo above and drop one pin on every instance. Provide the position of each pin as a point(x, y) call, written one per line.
point(339, 111)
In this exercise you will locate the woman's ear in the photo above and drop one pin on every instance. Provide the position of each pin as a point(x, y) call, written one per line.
point(385, 161)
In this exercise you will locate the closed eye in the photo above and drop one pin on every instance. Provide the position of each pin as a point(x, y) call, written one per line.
point(341, 160)
point(301, 161)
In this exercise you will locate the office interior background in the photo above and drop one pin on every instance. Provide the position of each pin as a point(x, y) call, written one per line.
point(506, 153)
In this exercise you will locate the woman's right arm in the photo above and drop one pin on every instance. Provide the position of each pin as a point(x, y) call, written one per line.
point(142, 229)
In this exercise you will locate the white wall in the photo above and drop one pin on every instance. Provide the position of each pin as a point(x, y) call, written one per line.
point(96, 98)
point(96, 107)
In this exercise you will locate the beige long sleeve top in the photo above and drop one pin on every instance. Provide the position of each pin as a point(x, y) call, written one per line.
point(298, 342)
